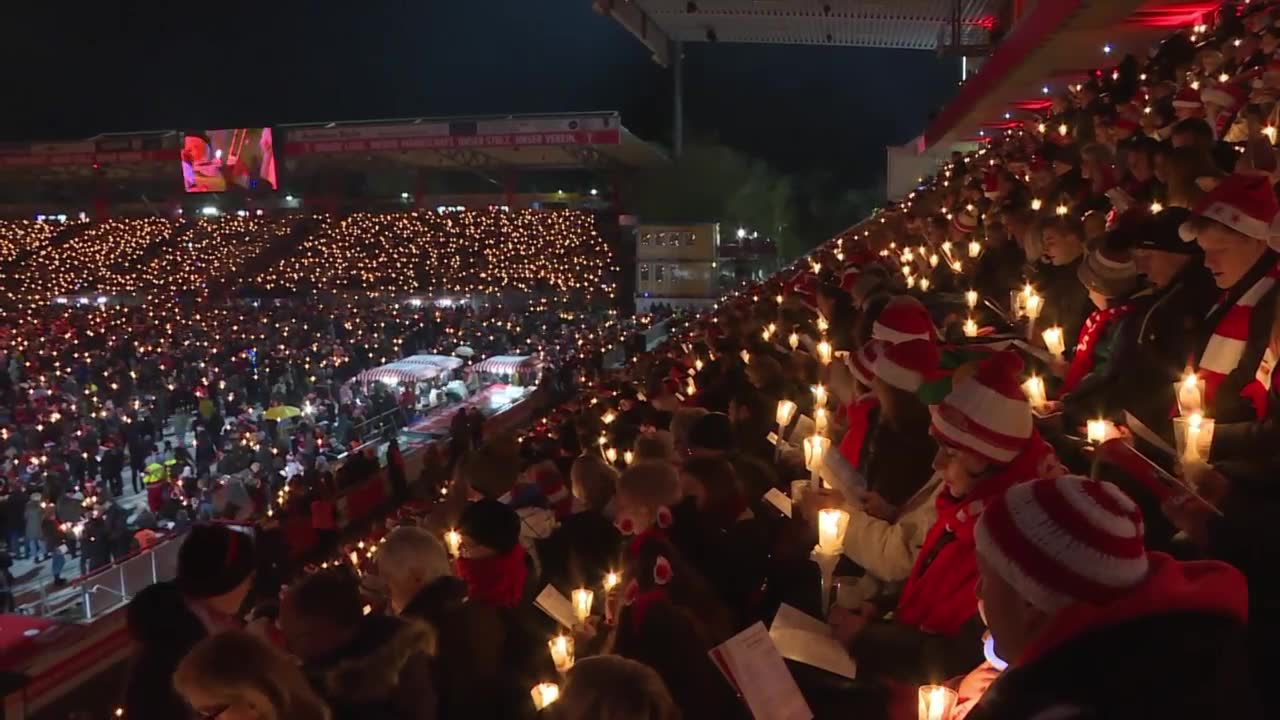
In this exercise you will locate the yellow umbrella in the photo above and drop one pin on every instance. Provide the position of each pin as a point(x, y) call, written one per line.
point(280, 412)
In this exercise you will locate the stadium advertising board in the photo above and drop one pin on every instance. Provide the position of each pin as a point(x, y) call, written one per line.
point(525, 132)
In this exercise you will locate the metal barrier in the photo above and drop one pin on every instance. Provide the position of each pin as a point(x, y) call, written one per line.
point(109, 588)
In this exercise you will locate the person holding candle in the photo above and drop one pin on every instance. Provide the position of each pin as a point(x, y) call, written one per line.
point(481, 675)
point(585, 543)
point(365, 666)
point(987, 443)
point(716, 436)
point(1066, 584)
point(1065, 302)
point(1164, 333)
point(493, 562)
point(1099, 360)
point(1000, 265)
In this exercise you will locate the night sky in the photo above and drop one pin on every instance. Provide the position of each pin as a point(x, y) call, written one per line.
point(118, 65)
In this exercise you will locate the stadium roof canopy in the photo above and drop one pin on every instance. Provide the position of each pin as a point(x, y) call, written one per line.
point(1056, 43)
point(899, 24)
point(574, 141)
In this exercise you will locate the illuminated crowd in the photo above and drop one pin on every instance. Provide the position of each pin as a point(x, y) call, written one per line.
point(1004, 450)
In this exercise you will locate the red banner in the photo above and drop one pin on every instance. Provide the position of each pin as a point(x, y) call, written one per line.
point(575, 137)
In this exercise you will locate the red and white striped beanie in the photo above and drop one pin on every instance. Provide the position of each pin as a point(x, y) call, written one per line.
point(987, 413)
point(862, 363)
point(903, 318)
point(1064, 540)
point(907, 365)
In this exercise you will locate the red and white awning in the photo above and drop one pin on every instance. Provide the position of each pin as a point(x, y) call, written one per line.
point(444, 362)
point(506, 364)
point(400, 372)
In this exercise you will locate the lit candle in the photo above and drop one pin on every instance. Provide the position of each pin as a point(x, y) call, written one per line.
point(820, 420)
point(924, 284)
point(824, 352)
point(627, 457)
point(786, 410)
point(971, 299)
point(819, 396)
point(453, 541)
point(1054, 341)
point(1036, 204)
point(746, 357)
point(544, 694)
point(611, 580)
point(975, 248)
point(697, 365)
point(970, 328)
point(764, 334)
point(936, 702)
point(1034, 388)
point(608, 417)
point(815, 448)
point(1097, 431)
point(611, 454)
point(1190, 394)
point(582, 599)
point(934, 260)
point(1194, 436)
point(561, 647)
point(778, 299)
point(793, 340)
point(823, 325)
point(832, 523)
point(1035, 304)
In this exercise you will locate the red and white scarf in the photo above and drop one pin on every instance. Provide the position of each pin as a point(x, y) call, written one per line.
point(1085, 358)
point(1226, 346)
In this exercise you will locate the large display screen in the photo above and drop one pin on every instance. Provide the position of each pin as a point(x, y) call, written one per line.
point(221, 160)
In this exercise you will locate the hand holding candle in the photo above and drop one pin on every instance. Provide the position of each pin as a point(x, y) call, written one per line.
point(819, 396)
point(975, 248)
point(611, 580)
point(971, 299)
point(824, 352)
point(1097, 431)
point(794, 341)
point(832, 523)
point(582, 599)
point(561, 647)
point(786, 410)
point(453, 541)
point(1035, 390)
point(1054, 341)
point(936, 702)
point(970, 328)
point(1190, 394)
point(544, 694)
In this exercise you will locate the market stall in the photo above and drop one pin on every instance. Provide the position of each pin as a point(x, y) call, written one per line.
point(523, 370)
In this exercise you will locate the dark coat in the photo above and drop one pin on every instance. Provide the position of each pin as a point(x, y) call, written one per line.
point(163, 630)
point(384, 673)
point(1066, 301)
point(897, 462)
point(999, 271)
point(478, 675)
point(584, 547)
point(1181, 666)
point(1165, 332)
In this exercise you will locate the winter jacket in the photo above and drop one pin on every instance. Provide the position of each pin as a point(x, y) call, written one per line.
point(1173, 648)
point(1164, 333)
point(887, 550)
point(474, 644)
point(1094, 395)
point(33, 518)
point(999, 271)
point(163, 630)
point(384, 673)
point(897, 462)
point(1066, 301)
point(584, 547)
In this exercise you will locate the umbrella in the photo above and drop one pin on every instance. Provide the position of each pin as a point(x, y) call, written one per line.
point(464, 351)
point(280, 412)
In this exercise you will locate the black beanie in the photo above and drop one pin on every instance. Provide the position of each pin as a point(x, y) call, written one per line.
point(492, 524)
point(712, 431)
point(213, 560)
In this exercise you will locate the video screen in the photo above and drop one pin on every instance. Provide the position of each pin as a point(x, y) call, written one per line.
point(221, 160)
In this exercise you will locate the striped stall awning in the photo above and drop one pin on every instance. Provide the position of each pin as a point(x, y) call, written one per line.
point(400, 372)
point(444, 362)
point(505, 364)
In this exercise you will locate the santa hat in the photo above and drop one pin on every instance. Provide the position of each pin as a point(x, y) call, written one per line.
point(991, 185)
point(903, 318)
point(849, 277)
point(1064, 540)
point(1245, 203)
point(987, 413)
point(1187, 98)
point(863, 362)
point(805, 289)
point(1227, 97)
point(907, 365)
point(965, 221)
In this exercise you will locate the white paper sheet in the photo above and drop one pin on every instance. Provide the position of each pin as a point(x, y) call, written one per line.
point(776, 498)
point(754, 667)
point(556, 605)
point(806, 639)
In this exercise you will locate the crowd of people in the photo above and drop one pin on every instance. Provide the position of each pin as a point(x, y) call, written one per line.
point(177, 391)
point(1007, 443)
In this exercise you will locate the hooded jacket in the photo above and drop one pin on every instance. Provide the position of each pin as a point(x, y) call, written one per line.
point(384, 673)
point(1173, 648)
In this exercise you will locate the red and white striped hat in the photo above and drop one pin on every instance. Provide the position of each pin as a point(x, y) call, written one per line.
point(1187, 98)
point(1064, 540)
point(903, 318)
point(907, 365)
point(987, 413)
point(862, 363)
point(965, 221)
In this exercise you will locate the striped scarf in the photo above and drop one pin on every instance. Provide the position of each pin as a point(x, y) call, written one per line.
point(1085, 358)
point(1227, 345)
